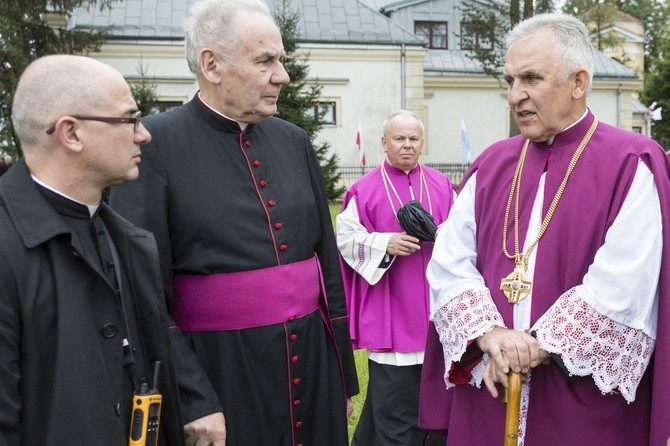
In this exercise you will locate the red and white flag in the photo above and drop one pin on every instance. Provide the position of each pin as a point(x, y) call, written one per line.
point(359, 144)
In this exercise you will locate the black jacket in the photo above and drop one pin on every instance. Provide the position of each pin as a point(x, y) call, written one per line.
point(57, 384)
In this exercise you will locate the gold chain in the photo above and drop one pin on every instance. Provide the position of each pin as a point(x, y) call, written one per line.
point(518, 256)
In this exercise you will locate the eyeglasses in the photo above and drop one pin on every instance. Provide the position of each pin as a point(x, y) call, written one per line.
point(134, 119)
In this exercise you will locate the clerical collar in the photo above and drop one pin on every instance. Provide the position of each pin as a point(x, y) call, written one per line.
point(550, 140)
point(243, 125)
point(69, 206)
point(388, 163)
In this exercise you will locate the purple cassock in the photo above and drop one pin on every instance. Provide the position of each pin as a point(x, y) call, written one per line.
point(560, 411)
point(392, 315)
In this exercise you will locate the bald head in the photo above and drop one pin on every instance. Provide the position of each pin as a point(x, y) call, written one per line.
point(53, 86)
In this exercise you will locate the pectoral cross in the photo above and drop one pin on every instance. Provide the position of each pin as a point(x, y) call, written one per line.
point(516, 286)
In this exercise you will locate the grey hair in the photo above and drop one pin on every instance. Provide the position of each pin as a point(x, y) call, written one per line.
point(210, 24)
point(572, 45)
point(398, 113)
point(52, 87)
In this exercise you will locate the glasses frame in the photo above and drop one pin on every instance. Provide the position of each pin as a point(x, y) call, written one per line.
point(134, 119)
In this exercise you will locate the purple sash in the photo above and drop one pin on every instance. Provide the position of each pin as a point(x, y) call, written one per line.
point(235, 301)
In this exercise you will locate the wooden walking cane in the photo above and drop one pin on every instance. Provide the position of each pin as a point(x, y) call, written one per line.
point(513, 406)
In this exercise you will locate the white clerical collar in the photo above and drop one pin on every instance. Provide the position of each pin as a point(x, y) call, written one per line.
point(91, 207)
point(243, 125)
point(550, 140)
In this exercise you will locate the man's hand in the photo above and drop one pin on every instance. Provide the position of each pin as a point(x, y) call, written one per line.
point(402, 245)
point(350, 407)
point(209, 430)
point(509, 350)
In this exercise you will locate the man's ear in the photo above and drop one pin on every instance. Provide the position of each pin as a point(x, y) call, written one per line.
point(581, 84)
point(209, 66)
point(67, 133)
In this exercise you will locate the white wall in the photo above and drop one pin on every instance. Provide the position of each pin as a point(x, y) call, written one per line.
point(365, 83)
point(484, 111)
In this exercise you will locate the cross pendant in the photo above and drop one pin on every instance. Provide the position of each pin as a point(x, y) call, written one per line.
point(516, 286)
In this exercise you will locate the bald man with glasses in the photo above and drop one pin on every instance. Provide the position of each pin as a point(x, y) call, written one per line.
point(83, 322)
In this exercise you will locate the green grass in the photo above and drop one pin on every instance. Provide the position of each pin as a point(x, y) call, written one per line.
point(361, 358)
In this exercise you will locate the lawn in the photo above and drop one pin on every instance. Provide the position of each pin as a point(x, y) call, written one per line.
point(361, 361)
point(362, 367)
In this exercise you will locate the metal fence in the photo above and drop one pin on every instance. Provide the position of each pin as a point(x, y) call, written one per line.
point(351, 172)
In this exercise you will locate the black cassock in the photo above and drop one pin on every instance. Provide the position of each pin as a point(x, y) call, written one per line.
point(222, 200)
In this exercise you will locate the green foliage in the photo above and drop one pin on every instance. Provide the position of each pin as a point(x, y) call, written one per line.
point(542, 6)
point(30, 29)
point(654, 14)
point(657, 89)
point(299, 99)
point(485, 27)
point(144, 91)
point(599, 17)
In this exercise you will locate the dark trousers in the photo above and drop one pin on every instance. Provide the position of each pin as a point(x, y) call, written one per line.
point(391, 409)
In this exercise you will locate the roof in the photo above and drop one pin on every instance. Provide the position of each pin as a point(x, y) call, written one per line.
point(322, 21)
point(457, 62)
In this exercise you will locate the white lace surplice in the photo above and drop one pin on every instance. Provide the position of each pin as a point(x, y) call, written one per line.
point(604, 327)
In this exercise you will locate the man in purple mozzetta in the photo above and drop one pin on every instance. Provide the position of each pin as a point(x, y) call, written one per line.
point(384, 271)
point(555, 262)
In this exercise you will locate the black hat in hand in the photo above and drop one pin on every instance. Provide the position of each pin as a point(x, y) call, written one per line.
point(416, 221)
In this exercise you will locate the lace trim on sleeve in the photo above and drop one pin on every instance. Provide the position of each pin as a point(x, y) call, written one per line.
point(462, 319)
point(592, 344)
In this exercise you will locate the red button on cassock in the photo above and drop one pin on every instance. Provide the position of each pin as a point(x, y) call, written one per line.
point(294, 359)
point(247, 143)
point(271, 202)
point(278, 225)
point(298, 424)
point(296, 402)
point(256, 163)
point(282, 247)
point(296, 381)
point(294, 337)
point(263, 183)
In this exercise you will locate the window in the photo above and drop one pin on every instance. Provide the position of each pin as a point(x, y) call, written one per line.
point(329, 111)
point(433, 33)
point(476, 35)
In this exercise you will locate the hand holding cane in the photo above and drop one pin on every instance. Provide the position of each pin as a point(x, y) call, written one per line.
point(513, 405)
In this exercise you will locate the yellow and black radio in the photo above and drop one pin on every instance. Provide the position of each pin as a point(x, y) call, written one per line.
point(145, 418)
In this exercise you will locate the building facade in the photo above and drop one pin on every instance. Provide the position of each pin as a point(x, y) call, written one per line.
point(372, 57)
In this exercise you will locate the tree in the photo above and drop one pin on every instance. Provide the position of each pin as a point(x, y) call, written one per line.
point(144, 91)
point(485, 25)
point(653, 13)
point(298, 102)
point(657, 89)
point(31, 29)
point(599, 21)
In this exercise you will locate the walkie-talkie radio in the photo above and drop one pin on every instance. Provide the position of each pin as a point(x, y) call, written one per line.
point(145, 419)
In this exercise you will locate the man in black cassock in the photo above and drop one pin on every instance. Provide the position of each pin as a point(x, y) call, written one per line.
point(235, 199)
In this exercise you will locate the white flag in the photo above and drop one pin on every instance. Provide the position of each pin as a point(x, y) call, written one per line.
point(466, 143)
